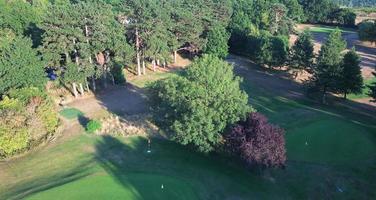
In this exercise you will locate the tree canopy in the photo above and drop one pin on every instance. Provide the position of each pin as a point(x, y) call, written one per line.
point(196, 107)
point(21, 65)
point(327, 72)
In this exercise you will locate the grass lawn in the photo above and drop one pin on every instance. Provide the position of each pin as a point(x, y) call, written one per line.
point(150, 77)
point(71, 113)
point(331, 155)
point(365, 90)
point(327, 29)
point(116, 168)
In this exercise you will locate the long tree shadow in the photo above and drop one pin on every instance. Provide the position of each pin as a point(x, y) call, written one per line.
point(136, 170)
point(127, 99)
point(172, 171)
point(25, 189)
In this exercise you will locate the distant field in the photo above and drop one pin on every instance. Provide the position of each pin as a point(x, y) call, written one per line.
point(329, 30)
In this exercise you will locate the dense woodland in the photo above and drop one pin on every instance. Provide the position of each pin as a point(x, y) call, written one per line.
point(85, 45)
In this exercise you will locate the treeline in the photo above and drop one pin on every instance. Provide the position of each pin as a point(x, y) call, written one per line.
point(327, 12)
point(355, 3)
point(86, 41)
point(86, 44)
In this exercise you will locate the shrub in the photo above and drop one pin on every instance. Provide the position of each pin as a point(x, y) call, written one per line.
point(257, 142)
point(27, 117)
point(14, 134)
point(196, 107)
point(93, 125)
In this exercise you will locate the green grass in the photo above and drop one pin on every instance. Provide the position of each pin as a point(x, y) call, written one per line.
point(140, 186)
point(116, 168)
point(326, 29)
point(71, 113)
point(144, 80)
point(365, 90)
point(334, 136)
point(340, 153)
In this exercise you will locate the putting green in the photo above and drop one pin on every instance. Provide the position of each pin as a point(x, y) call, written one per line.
point(131, 186)
point(330, 140)
point(71, 113)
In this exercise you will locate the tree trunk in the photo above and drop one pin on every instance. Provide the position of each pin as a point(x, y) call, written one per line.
point(105, 78)
point(138, 53)
point(324, 96)
point(154, 66)
point(76, 53)
point(175, 56)
point(81, 89)
point(112, 79)
point(143, 66)
point(74, 86)
point(164, 64)
point(87, 85)
point(93, 83)
point(158, 62)
point(345, 96)
point(67, 59)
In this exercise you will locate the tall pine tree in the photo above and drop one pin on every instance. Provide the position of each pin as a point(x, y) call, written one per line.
point(327, 73)
point(351, 75)
point(301, 55)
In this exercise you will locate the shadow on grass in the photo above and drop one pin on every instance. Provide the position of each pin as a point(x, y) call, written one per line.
point(39, 185)
point(83, 120)
point(172, 171)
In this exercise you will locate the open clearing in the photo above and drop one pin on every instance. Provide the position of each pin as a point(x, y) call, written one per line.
point(331, 153)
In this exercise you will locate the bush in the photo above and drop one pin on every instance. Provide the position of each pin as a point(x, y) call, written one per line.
point(27, 117)
point(257, 142)
point(14, 134)
point(196, 107)
point(93, 125)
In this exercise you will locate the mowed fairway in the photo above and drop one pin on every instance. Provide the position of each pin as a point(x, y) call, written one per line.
point(331, 155)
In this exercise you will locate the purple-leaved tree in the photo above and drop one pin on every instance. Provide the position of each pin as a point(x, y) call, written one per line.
point(257, 142)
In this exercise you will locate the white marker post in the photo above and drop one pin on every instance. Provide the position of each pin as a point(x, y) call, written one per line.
point(149, 146)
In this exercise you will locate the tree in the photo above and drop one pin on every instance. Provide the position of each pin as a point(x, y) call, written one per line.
point(318, 11)
point(263, 54)
point(217, 42)
point(20, 64)
point(279, 50)
point(372, 88)
point(270, 50)
point(301, 55)
point(16, 15)
point(367, 31)
point(351, 75)
point(196, 107)
point(343, 16)
point(257, 142)
point(327, 73)
point(295, 10)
